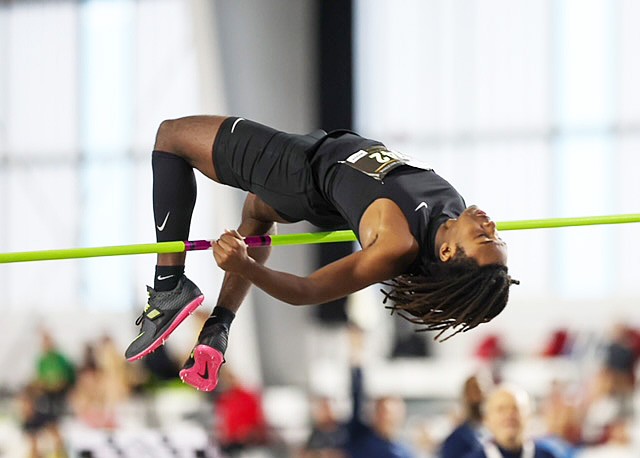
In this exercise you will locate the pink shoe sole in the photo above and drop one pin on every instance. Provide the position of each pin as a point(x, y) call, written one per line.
point(203, 375)
point(184, 313)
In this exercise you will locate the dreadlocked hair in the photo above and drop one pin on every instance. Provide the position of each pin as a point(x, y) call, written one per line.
point(457, 295)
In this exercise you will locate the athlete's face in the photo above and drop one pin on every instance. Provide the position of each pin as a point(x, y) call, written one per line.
point(477, 235)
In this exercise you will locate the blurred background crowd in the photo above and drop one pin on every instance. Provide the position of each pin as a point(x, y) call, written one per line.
point(98, 405)
point(530, 109)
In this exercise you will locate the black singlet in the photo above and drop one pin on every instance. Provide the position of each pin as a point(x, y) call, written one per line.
point(426, 199)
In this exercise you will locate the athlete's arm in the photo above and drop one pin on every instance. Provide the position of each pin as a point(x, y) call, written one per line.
point(387, 257)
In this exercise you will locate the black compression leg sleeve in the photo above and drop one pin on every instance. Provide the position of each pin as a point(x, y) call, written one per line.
point(174, 196)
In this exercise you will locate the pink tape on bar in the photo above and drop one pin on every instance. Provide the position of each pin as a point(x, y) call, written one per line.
point(254, 241)
point(196, 245)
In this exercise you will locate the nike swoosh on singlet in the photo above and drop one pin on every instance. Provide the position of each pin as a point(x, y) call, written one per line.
point(236, 123)
point(421, 205)
point(166, 218)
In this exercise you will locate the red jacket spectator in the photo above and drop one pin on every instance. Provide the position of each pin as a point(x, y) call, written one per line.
point(241, 420)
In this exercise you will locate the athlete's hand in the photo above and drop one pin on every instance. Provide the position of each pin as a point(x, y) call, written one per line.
point(230, 252)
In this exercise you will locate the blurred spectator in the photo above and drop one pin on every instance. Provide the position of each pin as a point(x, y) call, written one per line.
point(89, 359)
point(468, 435)
point(328, 436)
point(610, 399)
point(507, 410)
point(617, 445)
point(620, 360)
point(44, 403)
point(90, 400)
point(379, 437)
point(55, 376)
point(39, 423)
point(560, 416)
point(240, 420)
point(114, 371)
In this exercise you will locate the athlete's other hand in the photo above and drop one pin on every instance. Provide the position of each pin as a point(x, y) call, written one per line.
point(230, 252)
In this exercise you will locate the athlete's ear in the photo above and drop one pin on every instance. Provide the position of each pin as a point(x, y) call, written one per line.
point(446, 252)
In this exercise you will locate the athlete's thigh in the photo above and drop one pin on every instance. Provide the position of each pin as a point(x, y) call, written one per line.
point(275, 166)
point(191, 138)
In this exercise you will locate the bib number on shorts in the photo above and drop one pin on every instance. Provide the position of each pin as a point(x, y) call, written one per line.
point(377, 161)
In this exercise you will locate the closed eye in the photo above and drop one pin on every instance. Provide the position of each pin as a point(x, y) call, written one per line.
point(497, 241)
point(483, 239)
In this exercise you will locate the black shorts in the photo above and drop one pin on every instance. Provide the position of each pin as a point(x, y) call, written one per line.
point(275, 166)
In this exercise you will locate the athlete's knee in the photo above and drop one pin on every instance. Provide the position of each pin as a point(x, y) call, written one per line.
point(166, 136)
point(189, 137)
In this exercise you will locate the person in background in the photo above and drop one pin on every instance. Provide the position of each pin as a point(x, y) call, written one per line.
point(45, 401)
point(115, 371)
point(609, 400)
point(56, 375)
point(507, 410)
point(619, 443)
point(328, 435)
point(38, 423)
point(241, 423)
point(379, 437)
point(102, 385)
point(560, 414)
point(468, 435)
point(89, 399)
point(620, 361)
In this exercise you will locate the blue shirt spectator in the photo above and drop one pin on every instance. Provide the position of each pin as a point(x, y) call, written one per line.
point(463, 440)
point(376, 440)
point(468, 436)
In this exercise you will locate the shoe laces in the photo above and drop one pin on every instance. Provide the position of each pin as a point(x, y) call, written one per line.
point(142, 315)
